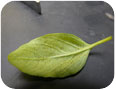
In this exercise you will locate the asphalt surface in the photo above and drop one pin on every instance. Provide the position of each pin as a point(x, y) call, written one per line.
point(86, 20)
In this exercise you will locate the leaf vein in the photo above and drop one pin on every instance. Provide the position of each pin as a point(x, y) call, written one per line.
point(66, 42)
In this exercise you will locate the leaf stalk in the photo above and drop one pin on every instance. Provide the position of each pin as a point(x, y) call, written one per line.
point(101, 41)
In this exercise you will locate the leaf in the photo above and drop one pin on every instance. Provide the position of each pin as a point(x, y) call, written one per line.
point(52, 55)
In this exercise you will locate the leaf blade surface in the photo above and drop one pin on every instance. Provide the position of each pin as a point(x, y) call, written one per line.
point(52, 55)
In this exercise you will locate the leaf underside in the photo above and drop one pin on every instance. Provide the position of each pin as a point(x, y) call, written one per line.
point(51, 55)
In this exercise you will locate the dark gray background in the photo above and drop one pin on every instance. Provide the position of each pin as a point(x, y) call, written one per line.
point(87, 20)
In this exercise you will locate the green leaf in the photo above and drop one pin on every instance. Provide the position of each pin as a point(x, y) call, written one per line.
point(52, 55)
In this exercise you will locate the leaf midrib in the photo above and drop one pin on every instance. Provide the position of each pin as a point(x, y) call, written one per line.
point(56, 56)
point(81, 49)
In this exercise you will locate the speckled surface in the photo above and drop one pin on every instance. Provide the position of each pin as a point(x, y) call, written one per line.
point(87, 20)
